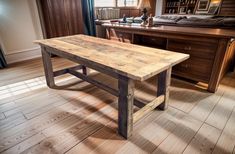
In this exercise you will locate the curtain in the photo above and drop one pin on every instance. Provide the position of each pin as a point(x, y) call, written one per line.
point(89, 17)
point(3, 62)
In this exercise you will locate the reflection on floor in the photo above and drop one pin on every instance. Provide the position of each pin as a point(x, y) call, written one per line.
point(80, 118)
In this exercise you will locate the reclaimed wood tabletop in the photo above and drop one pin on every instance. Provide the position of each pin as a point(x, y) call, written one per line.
point(133, 61)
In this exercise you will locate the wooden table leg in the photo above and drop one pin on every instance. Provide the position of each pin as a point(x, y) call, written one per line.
point(125, 106)
point(84, 70)
point(46, 58)
point(163, 84)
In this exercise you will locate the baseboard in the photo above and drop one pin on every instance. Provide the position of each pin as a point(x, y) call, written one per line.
point(23, 55)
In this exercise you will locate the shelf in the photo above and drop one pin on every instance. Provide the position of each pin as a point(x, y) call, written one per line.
point(184, 7)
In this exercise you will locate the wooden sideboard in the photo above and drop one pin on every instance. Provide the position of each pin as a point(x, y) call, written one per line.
point(211, 50)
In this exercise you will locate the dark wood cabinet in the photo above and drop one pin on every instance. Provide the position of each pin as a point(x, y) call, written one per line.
point(200, 49)
point(60, 17)
point(202, 55)
point(120, 36)
point(211, 52)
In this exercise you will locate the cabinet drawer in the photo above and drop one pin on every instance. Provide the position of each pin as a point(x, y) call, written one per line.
point(120, 36)
point(195, 68)
point(150, 41)
point(194, 48)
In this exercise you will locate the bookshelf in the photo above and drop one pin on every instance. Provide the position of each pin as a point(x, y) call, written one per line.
point(179, 6)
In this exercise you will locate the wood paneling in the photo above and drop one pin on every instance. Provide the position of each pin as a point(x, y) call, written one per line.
point(130, 12)
point(227, 8)
point(60, 17)
point(53, 17)
point(73, 9)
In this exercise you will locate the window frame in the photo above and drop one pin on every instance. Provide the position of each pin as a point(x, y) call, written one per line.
point(116, 5)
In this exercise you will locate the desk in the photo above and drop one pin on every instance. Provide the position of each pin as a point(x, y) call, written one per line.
point(211, 50)
point(125, 62)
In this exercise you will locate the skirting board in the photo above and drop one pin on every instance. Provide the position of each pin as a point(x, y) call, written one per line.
point(23, 55)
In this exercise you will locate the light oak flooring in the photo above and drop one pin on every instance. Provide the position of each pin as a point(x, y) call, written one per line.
point(80, 118)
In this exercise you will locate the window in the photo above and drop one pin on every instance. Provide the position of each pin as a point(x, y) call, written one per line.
point(116, 3)
point(105, 3)
point(131, 2)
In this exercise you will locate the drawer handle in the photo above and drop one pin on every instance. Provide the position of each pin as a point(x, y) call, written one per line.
point(188, 48)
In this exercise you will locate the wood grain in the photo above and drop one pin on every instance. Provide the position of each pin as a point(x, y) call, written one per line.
point(204, 141)
point(224, 33)
point(210, 54)
point(126, 88)
point(132, 62)
point(147, 108)
point(177, 129)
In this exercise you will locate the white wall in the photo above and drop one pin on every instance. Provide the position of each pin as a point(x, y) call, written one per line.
point(19, 27)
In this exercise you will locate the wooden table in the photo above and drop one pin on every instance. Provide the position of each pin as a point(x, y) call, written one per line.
point(125, 62)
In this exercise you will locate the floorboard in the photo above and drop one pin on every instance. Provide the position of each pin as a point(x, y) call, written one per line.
point(80, 118)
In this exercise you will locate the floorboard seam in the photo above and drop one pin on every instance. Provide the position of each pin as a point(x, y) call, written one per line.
point(193, 136)
point(223, 129)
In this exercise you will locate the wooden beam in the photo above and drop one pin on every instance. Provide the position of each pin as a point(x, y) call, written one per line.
point(126, 87)
point(163, 84)
point(138, 103)
point(93, 65)
point(94, 82)
point(48, 69)
point(84, 70)
point(148, 107)
point(64, 71)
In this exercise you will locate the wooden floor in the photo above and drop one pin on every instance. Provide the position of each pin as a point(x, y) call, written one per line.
point(80, 118)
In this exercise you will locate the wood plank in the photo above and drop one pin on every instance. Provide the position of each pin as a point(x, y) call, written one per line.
point(125, 106)
point(94, 82)
point(143, 141)
point(11, 122)
point(29, 103)
point(94, 106)
point(147, 108)
point(163, 84)
point(32, 69)
point(184, 132)
point(149, 133)
point(11, 137)
point(7, 106)
point(185, 100)
point(146, 140)
point(196, 31)
point(65, 140)
point(2, 116)
point(92, 142)
point(220, 114)
point(204, 141)
point(216, 74)
point(48, 68)
point(131, 63)
point(19, 148)
point(206, 104)
point(226, 143)
point(64, 71)
point(36, 111)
